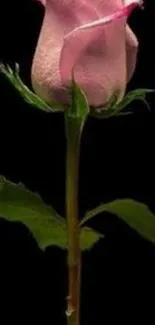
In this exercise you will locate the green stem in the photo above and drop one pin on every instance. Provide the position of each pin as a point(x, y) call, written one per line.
point(73, 133)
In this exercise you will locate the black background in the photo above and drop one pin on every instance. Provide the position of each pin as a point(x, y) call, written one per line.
point(117, 160)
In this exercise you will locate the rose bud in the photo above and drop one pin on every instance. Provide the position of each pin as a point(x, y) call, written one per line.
point(90, 37)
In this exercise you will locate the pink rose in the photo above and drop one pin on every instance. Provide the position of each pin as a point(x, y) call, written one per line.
point(91, 36)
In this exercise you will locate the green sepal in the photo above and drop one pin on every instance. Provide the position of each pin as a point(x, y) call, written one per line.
point(29, 96)
point(137, 94)
point(115, 108)
point(79, 107)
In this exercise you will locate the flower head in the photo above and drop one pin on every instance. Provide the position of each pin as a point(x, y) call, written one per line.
point(93, 38)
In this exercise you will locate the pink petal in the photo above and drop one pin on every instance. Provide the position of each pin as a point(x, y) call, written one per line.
point(61, 17)
point(78, 40)
point(132, 49)
point(128, 2)
point(106, 7)
point(42, 1)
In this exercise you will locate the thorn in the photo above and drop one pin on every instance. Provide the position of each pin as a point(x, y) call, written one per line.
point(70, 309)
point(69, 312)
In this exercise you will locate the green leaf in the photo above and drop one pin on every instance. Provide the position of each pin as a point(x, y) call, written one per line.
point(137, 215)
point(29, 96)
point(89, 237)
point(19, 204)
point(79, 107)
